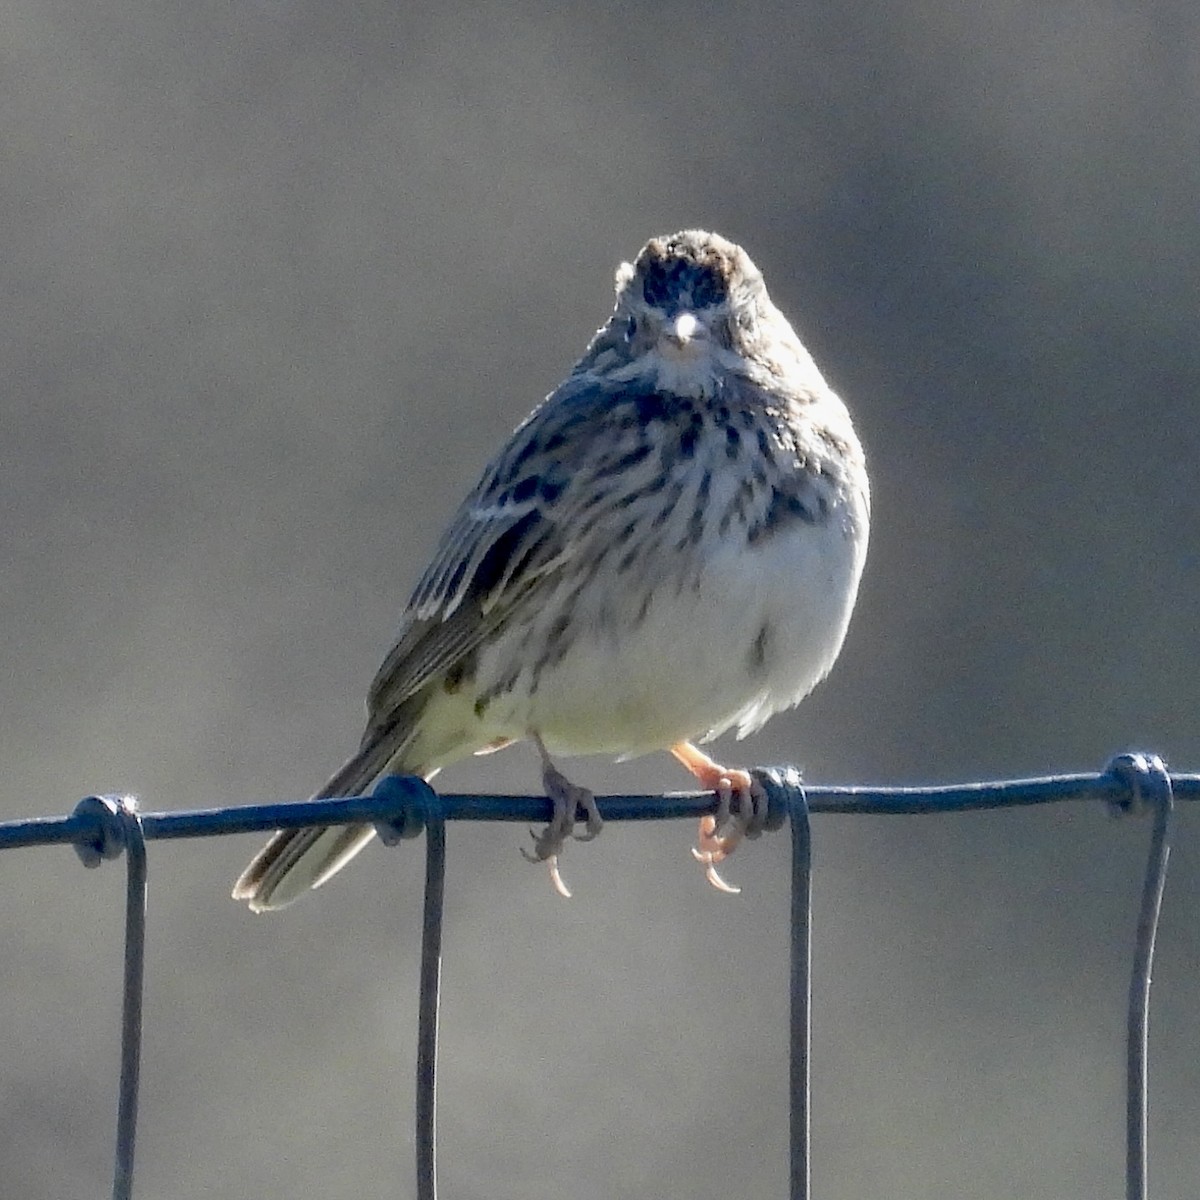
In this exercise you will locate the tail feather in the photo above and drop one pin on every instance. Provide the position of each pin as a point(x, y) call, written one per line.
point(296, 860)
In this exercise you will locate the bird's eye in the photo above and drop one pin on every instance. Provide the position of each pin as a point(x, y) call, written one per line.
point(631, 329)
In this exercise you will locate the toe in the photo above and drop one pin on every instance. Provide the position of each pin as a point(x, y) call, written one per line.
point(594, 823)
point(758, 809)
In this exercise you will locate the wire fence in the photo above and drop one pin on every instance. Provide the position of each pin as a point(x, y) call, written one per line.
point(105, 827)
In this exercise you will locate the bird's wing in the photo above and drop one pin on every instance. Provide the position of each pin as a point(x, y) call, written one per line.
point(504, 547)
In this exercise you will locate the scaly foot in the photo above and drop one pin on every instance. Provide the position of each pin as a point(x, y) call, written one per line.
point(720, 835)
point(567, 798)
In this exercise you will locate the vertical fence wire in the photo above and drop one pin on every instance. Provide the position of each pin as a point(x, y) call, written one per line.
point(1150, 786)
point(427, 1018)
point(801, 998)
point(131, 1008)
point(113, 825)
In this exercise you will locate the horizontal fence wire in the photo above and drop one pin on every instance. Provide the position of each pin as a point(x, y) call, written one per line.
point(401, 808)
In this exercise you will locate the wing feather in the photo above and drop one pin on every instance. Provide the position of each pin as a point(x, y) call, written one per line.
point(489, 565)
point(505, 546)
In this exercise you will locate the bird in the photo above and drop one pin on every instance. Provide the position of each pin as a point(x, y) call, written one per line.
point(668, 547)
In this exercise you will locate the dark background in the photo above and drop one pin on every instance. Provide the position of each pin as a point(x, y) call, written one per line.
point(278, 278)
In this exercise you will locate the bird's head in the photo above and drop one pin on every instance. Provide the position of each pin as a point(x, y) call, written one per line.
point(686, 307)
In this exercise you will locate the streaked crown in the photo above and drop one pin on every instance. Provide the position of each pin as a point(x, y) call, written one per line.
point(691, 271)
point(682, 304)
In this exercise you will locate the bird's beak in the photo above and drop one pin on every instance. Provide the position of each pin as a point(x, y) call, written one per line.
point(682, 329)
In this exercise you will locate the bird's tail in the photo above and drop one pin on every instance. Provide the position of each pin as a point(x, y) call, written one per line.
point(295, 860)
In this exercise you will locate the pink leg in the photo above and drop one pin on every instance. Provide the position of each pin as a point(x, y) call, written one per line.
point(719, 836)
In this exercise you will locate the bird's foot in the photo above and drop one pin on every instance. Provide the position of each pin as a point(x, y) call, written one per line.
point(568, 798)
point(741, 811)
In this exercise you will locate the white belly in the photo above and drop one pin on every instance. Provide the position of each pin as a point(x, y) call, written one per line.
point(750, 635)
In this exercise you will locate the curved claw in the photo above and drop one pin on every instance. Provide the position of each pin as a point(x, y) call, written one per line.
point(710, 873)
point(545, 849)
point(556, 878)
point(709, 861)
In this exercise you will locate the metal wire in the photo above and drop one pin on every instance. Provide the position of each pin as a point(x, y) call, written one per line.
point(427, 1019)
point(786, 792)
point(1150, 788)
point(397, 807)
point(121, 829)
point(103, 827)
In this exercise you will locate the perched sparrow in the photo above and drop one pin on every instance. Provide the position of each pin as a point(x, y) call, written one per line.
point(669, 546)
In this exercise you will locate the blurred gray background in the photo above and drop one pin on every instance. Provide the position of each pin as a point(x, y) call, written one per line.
point(277, 278)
